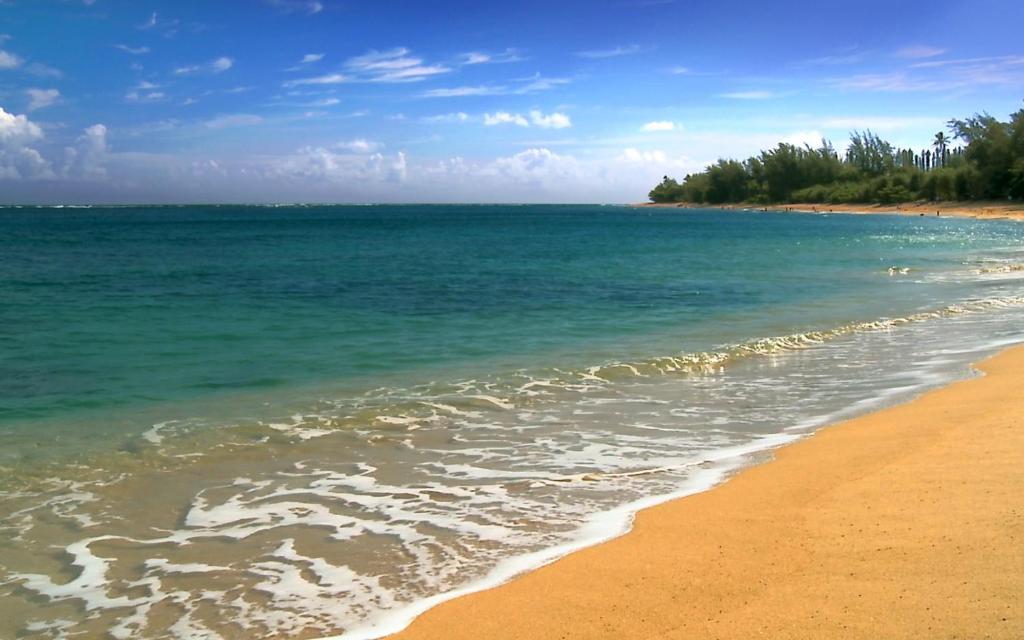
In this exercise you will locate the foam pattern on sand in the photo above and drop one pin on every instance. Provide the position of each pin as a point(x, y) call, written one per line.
point(355, 513)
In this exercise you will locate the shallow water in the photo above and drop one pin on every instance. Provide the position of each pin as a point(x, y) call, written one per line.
point(294, 422)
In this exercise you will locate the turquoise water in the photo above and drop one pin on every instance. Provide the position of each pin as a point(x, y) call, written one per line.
point(110, 308)
point(401, 400)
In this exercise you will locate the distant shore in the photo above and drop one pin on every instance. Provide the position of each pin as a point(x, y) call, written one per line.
point(906, 523)
point(988, 210)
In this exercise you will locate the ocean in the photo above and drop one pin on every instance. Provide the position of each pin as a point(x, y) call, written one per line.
point(313, 421)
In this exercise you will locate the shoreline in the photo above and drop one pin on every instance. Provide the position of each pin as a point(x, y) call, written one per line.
point(749, 556)
point(979, 210)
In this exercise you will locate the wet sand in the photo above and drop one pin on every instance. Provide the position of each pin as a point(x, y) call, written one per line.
point(986, 210)
point(906, 523)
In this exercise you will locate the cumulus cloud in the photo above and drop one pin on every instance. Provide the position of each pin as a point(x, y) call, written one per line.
point(359, 145)
point(536, 118)
point(322, 164)
point(9, 61)
point(537, 165)
point(504, 117)
point(551, 121)
point(458, 116)
point(19, 160)
point(636, 155)
point(539, 174)
point(40, 98)
point(218, 65)
point(659, 125)
point(144, 92)
point(86, 160)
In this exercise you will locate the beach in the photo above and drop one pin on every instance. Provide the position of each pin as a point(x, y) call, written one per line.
point(980, 210)
point(321, 434)
point(904, 523)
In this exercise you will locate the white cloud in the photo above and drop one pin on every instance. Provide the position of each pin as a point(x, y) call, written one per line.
point(551, 121)
point(539, 174)
point(880, 123)
point(331, 78)
point(324, 102)
point(520, 86)
point(537, 165)
point(919, 51)
point(233, 120)
point(972, 63)
point(40, 98)
point(611, 53)
point(459, 116)
point(43, 71)
point(679, 71)
point(456, 92)
point(135, 51)
point(150, 23)
point(801, 138)
point(359, 145)
point(86, 160)
point(311, 57)
point(323, 165)
point(144, 93)
point(964, 74)
point(479, 57)
point(748, 95)
point(393, 65)
point(504, 117)
point(9, 60)
point(539, 83)
point(310, 7)
point(636, 155)
point(18, 160)
point(659, 125)
point(218, 65)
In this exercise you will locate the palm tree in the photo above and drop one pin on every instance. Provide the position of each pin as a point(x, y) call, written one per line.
point(940, 143)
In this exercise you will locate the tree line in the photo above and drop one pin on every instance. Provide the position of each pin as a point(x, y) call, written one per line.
point(986, 164)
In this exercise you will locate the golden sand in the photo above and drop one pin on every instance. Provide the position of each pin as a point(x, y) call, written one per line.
point(906, 523)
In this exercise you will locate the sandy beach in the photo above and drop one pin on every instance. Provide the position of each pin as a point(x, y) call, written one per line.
point(906, 523)
point(984, 210)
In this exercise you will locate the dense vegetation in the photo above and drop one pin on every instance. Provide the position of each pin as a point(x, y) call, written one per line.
point(988, 165)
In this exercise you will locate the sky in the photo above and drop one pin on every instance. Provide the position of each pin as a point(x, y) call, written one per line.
point(161, 101)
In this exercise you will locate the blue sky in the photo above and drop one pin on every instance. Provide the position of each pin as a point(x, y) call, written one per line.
point(360, 101)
